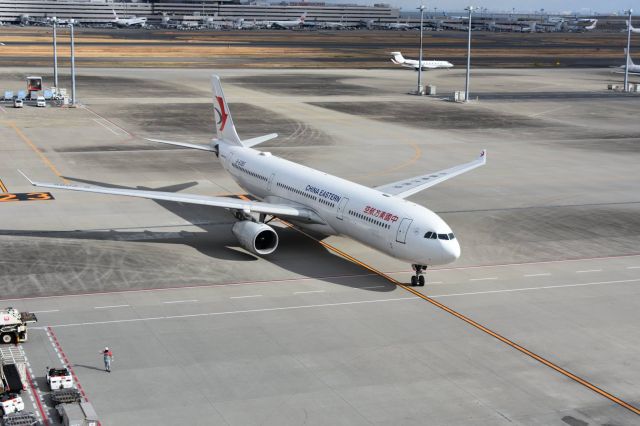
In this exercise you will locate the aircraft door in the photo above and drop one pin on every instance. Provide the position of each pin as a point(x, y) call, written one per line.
point(401, 236)
point(341, 207)
point(271, 179)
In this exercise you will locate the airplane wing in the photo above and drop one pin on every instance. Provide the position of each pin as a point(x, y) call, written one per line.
point(407, 187)
point(224, 202)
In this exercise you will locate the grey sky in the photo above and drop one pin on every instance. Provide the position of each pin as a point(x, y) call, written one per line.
point(579, 6)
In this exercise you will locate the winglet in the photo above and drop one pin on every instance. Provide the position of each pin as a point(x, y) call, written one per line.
point(26, 177)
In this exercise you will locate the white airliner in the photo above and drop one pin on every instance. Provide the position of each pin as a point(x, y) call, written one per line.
point(379, 217)
point(398, 59)
point(128, 22)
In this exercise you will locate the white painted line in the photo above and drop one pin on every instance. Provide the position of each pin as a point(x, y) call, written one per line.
point(110, 306)
point(247, 311)
point(588, 270)
point(45, 312)
point(512, 290)
point(546, 274)
point(2, 109)
point(106, 127)
point(434, 282)
point(180, 301)
point(483, 279)
point(307, 292)
point(245, 297)
point(633, 267)
point(374, 286)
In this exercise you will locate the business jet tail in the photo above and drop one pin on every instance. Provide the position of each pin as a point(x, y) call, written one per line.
point(397, 58)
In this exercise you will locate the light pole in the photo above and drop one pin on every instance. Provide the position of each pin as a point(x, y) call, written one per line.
point(466, 84)
point(55, 55)
point(628, 58)
point(420, 91)
point(73, 70)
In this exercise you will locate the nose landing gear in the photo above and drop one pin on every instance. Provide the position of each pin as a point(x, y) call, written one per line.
point(418, 278)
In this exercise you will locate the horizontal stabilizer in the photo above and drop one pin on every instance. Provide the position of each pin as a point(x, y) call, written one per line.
point(258, 140)
point(183, 144)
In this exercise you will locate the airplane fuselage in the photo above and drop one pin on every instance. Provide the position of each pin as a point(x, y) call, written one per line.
point(386, 223)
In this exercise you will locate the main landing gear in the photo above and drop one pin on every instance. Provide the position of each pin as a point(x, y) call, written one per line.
point(418, 278)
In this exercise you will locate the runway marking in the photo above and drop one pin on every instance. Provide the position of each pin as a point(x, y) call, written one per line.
point(110, 306)
point(374, 286)
point(307, 292)
point(244, 311)
point(2, 187)
point(245, 297)
point(180, 301)
point(1, 108)
point(34, 393)
point(633, 267)
point(435, 282)
point(588, 270)
point(45, 312)
point(549, 287)
point(106, 127)
point(65, 360)
point(479, 326)
point(538, 114)
point(483, 279)
point(546, 274)
point(35, 149)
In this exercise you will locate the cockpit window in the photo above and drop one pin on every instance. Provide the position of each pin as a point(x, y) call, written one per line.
point(434, 236)
point(443, 236)
point(452, 237)
point(428, 234)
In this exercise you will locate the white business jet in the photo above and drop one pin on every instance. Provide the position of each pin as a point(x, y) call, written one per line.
point(398, 59)
point(379, 217)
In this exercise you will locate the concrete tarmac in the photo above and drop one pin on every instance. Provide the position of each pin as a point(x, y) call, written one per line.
point(205, 333)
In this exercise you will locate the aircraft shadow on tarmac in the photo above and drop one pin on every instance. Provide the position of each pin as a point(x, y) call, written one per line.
point(296, 252)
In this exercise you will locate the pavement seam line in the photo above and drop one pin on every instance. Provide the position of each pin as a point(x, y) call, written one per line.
point(479, 326)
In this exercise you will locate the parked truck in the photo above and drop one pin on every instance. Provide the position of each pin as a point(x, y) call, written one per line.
point(13, 325)
point(59, 378)
point(77, 414)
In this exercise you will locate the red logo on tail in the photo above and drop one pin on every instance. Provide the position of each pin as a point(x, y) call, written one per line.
point(223, 114)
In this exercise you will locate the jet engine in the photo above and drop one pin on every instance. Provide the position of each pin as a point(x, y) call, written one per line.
point(258, 238)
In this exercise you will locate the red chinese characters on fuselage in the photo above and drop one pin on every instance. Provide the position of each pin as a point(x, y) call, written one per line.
point(386, 216)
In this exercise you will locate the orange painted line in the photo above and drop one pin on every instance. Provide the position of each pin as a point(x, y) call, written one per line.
point(2, 187)
point(35, 149)
point(479, 326)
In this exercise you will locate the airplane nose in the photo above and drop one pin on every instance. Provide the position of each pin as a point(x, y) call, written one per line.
point(450, 251)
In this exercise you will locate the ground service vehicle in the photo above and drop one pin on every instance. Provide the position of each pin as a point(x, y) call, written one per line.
point(10, 403)
point(59, 378)
point(40, 101)
point(13, 325)
point(18, 103)
point(77, 414)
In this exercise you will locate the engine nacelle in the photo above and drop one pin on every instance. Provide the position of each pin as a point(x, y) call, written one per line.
point(258, 238)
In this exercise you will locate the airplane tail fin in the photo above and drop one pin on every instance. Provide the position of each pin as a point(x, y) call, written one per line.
point(225, 129)
point(397, 58)
point(303, 17)
point(115, 15)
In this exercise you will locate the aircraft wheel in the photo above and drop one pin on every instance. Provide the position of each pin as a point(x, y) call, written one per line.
point(421, 280)
point(414, 281)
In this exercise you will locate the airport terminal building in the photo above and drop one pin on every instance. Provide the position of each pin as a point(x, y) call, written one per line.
point(101, 12)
